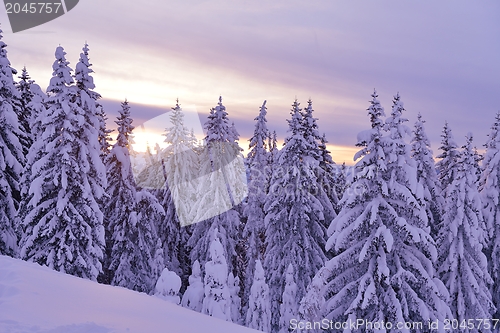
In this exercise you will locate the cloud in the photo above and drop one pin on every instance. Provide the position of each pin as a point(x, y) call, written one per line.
point(441, 56)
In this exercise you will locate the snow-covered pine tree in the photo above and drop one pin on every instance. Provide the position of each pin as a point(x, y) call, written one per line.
point(314, 300)
point(194, 294)
point(331, 178)
point(11, 154)
point(179, 163)
point(233, 284)
point(478, 157)
point(462, 264)
point(121, 189)
point(254, 230)
point(341, 183)
point(149, 211)
point(167, 287)
point(383, 267)
point(221, 183)
point(295, 233)
point(273, 150)
point(86, 96)
point(427, 176)
point(158, 260)
point(288, 306)
point(64, 227)
point(490, 197)
point(317, 150)
point(87, 99)
point(25, 113)
point(447, 166)
point(104, 132)
point(36, 151)
point(217, 302)
point(130, 240)
point(258, 315)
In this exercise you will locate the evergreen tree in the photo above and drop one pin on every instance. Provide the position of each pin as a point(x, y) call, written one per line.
point(330, 178)
point(63, 227)
point(25, 113)
point(259, 307)
point(289, 306)
point(221, 187)
point(158, 260)
point(427, 176)
point(254, 230)
point(383, 267)
point(217, 302)
point(314, 300)
point(490, 197)
point(36, 151)
point(233, 284)
point(447, 166)
point(477, 164)
point(88, 100)
point(341, 184)
point(104, 132)
point(273, 149)
point(295, 233)
point(462, 264)
point(194, 294)
point(121, 189)
point(317, 150)
point(11, 154)
point(179, 163)
point(167, 287)
point(130, 238)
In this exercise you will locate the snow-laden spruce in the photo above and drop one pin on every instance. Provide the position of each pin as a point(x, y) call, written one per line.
point(194, 294)
point(383, 267)
point(331, 178)
point(254, 230)
point(25, 112)
point(490, 197)
point(221, 187)
point(178, 164)
point(63, 227)
point(463, 265)
point(258, 315)
point(324, 171)
point(272, 144)
point(233, 284)
point(427, 176)
point(313, 301)
point(38, 114)
point(87, 98)
point(217, 301)
point(167, 287)
point(447, 165)
point(295, 233)
point(129, 217)
point(11, 154)
point(288, 307)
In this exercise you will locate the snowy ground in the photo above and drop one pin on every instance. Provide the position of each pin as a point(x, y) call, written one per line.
point(37, 299)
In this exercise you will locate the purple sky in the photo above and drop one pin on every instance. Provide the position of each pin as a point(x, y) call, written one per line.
point(443, 57)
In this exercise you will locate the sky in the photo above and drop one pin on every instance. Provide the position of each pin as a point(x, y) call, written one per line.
point(442, 57)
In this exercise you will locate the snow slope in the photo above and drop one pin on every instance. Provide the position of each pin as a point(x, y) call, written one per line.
point(37, 299)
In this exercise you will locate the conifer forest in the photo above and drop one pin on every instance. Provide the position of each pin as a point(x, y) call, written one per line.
point(280, 240)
